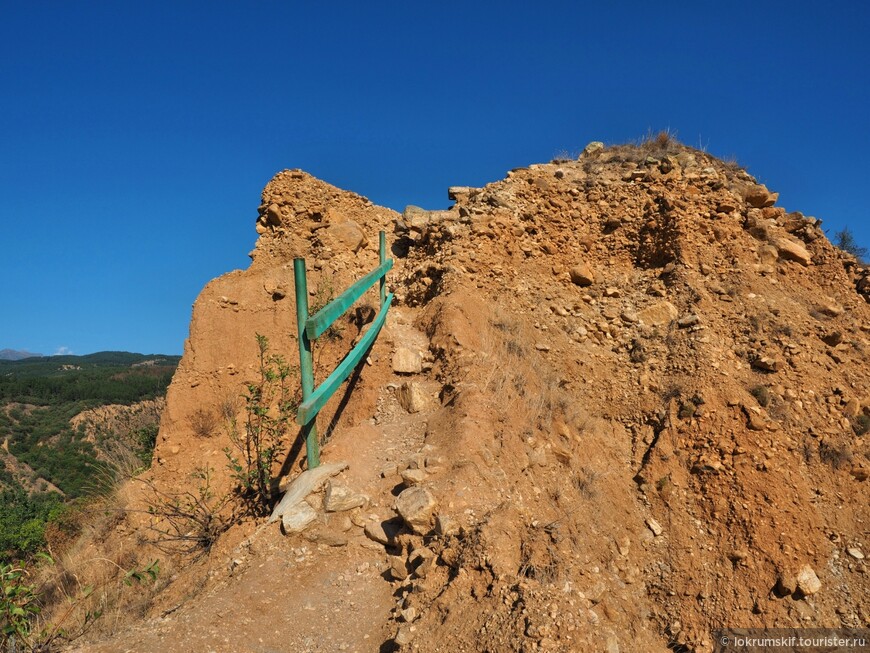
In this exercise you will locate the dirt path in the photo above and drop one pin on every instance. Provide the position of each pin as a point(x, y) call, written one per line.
point(327, 589)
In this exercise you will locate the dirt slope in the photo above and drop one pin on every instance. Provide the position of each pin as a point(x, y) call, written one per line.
point(621, 403)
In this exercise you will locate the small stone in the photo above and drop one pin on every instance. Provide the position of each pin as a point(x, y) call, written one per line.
point(658, 314)
point(852, 408)
point(807, 581)
point(829, 307)
point(767, 254)
point(340, 498)
point(408, 614)
point(383, 532)
point(542, 346)
point(689, 320)
point(406, 361)
point(297, 518)
point(416, 505)
point(612, 291)
point(654, 526)
point(593, 149)
point(411, 397)
point(413, 476)
point(767, 364)
point(405, 635)
point(623, 545)
point(329, 538)
point(757, 196)
point(581, 275)
point(398, 567)
point(855, 552)
point(786, 584)
point(273, 215)
point(446, 526)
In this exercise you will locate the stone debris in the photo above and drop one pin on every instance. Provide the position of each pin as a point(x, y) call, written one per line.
point(339, 497)
point(807, 581)
point(406, 361)
point(297, 518)
point(581, 275)
point(383, 531)
point(654, 526)
point(412, 397)
point(658, 314)
point(416, 506)
point(413, 476)
point(855, 552)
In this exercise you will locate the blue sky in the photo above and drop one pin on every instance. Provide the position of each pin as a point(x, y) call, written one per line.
point(135, 139)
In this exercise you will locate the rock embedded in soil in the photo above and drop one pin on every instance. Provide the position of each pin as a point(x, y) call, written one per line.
point(790, 250)
point(383, 531)
point(413, 476)
point(807, 581)
point(658, 314)
point(581, 275)
point(416, 505)
point(297, 518)
point(411, 397)
point(339, 498)
point(654, 526)
point(406, 361)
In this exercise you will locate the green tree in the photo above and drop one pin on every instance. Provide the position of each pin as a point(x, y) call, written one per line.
point(846, 242)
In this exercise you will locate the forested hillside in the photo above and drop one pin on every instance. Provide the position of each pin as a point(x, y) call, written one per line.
point(47, 464)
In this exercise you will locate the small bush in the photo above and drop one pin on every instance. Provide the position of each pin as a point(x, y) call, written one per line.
point(861, 424)
point(835, 455)
point(203, 422)
point(846, 242)
point(188, 523)
point(761, 394)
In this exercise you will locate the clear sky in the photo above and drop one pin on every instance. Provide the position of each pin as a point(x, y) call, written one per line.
point(135, 138)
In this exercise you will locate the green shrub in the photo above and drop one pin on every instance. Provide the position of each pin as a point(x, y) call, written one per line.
point(19, 606)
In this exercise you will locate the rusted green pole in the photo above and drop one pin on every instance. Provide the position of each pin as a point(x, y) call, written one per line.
point(382, 255)
point(306, 365)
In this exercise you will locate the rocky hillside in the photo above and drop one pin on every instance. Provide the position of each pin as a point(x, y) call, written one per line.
point(621, 402)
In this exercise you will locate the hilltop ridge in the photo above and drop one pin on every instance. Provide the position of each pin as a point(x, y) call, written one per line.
point(628, 394)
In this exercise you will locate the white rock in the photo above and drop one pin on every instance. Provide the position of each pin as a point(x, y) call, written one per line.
point(416, 505)
point(340, 498)
point(406, 361)
point(807, 581)
point(654, 526)
point(411, 397)
point(297, 518)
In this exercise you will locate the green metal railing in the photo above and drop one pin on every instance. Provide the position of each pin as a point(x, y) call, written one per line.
point(313, 326)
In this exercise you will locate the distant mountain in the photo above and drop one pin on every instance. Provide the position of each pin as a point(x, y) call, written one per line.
point(13, 355)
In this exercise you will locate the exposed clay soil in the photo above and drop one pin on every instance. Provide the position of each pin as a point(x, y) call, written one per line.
point(641, 409)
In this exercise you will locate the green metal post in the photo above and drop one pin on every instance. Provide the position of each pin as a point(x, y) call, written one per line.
point(306, 365)
point(382, 251)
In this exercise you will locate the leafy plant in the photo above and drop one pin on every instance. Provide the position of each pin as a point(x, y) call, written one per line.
point(19, 605)
point(148, 573)
point(270, 408)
